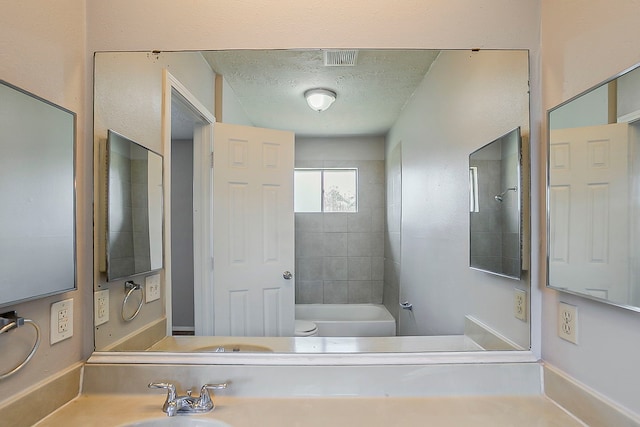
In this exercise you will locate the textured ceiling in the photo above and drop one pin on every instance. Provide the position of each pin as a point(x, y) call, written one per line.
point(270, 84)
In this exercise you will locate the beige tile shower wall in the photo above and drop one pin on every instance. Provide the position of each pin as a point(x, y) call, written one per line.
point(339, 256)
point(485, 225)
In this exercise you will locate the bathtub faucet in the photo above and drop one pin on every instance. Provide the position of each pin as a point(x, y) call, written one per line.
point(188, 404)
point(406, 305)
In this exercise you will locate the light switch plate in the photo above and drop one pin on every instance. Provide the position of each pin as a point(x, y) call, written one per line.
point(61, 320)
point(101, 307)
point(152, 288)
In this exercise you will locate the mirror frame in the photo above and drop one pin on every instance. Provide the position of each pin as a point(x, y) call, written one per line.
point(548, 193)
point(398, 358)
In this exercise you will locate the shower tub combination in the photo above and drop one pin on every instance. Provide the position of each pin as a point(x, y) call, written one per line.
point(348, 320)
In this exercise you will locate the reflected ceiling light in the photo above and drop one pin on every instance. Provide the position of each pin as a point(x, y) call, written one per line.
point(320, 99)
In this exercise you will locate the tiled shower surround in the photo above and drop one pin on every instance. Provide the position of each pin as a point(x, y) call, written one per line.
point(128, 205)
point(340, 256)
point(496, 225)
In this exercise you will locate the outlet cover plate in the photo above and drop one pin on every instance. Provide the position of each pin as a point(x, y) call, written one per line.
point(101, 307)
point(568, 322)
point(61, 320)
point(520, 304)
point(152, 288)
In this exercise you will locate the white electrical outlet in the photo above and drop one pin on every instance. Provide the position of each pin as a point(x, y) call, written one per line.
point(152, 288)
point(61, 320)
point(520, 304)
point(568, 322)
point(101, 307)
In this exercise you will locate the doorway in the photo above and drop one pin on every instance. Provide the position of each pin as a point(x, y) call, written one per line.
point(188, 139)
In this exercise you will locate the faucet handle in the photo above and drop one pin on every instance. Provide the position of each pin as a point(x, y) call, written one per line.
point(205, 397)
point(214, 386)
point(170, 405)
point(171, 389)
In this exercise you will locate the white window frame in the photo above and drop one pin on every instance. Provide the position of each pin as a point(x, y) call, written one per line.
point(322, 170)
point(473, 189)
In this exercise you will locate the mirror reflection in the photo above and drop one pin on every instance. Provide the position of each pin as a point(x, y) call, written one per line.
point(594, 172)
point(134, 203)
point(382, 255)
point(37, 197)
point(495, 206)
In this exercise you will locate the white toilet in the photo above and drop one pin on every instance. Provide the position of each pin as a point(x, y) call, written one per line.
point(305, 328)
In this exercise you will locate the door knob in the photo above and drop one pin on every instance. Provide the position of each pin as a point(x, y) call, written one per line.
point(287, 275)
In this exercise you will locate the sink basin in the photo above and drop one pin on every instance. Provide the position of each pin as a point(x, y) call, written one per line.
point(178, 421)
point(236, 348)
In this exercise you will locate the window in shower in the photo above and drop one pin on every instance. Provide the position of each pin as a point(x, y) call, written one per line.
point(473, 189)
point(326, 190)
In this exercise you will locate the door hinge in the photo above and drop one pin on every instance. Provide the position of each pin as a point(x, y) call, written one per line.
point(211, 160)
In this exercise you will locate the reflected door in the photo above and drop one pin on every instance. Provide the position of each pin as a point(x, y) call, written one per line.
point(588, 202)
point(253, 231)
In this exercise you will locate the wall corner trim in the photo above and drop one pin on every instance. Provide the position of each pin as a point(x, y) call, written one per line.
point(584, 403)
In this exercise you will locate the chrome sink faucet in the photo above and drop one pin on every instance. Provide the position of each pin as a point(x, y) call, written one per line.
point(188, 404)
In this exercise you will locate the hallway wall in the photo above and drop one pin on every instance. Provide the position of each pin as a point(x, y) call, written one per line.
point(182, 234)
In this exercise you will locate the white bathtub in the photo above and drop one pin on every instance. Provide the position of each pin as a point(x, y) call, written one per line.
point(349, 320)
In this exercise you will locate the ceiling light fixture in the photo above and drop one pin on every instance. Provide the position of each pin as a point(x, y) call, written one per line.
point(320, 99)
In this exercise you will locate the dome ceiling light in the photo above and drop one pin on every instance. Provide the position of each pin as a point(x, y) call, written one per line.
point(320, 99)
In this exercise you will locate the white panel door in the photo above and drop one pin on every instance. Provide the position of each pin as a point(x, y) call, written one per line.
point(588, 201)
point(253, 231)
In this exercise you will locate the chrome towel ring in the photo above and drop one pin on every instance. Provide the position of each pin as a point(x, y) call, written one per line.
point(12, 321)
point(130, 286)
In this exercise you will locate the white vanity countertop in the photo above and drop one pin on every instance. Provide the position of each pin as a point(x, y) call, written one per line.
point(315, 345)
point(116, 410)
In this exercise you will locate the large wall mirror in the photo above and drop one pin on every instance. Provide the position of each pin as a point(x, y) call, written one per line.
point(403, 121)
point(593, 182)
point(495, 206)
point(37, 197)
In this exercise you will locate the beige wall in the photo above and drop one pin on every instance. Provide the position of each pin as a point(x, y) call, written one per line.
point(129, 88)
point(465, 101)
point(42, 50)
point(232, 110)
point(121, 25)
point(128, 99)
point(583, 45)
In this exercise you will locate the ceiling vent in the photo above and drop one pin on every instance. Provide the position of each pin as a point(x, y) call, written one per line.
point(340, 58)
